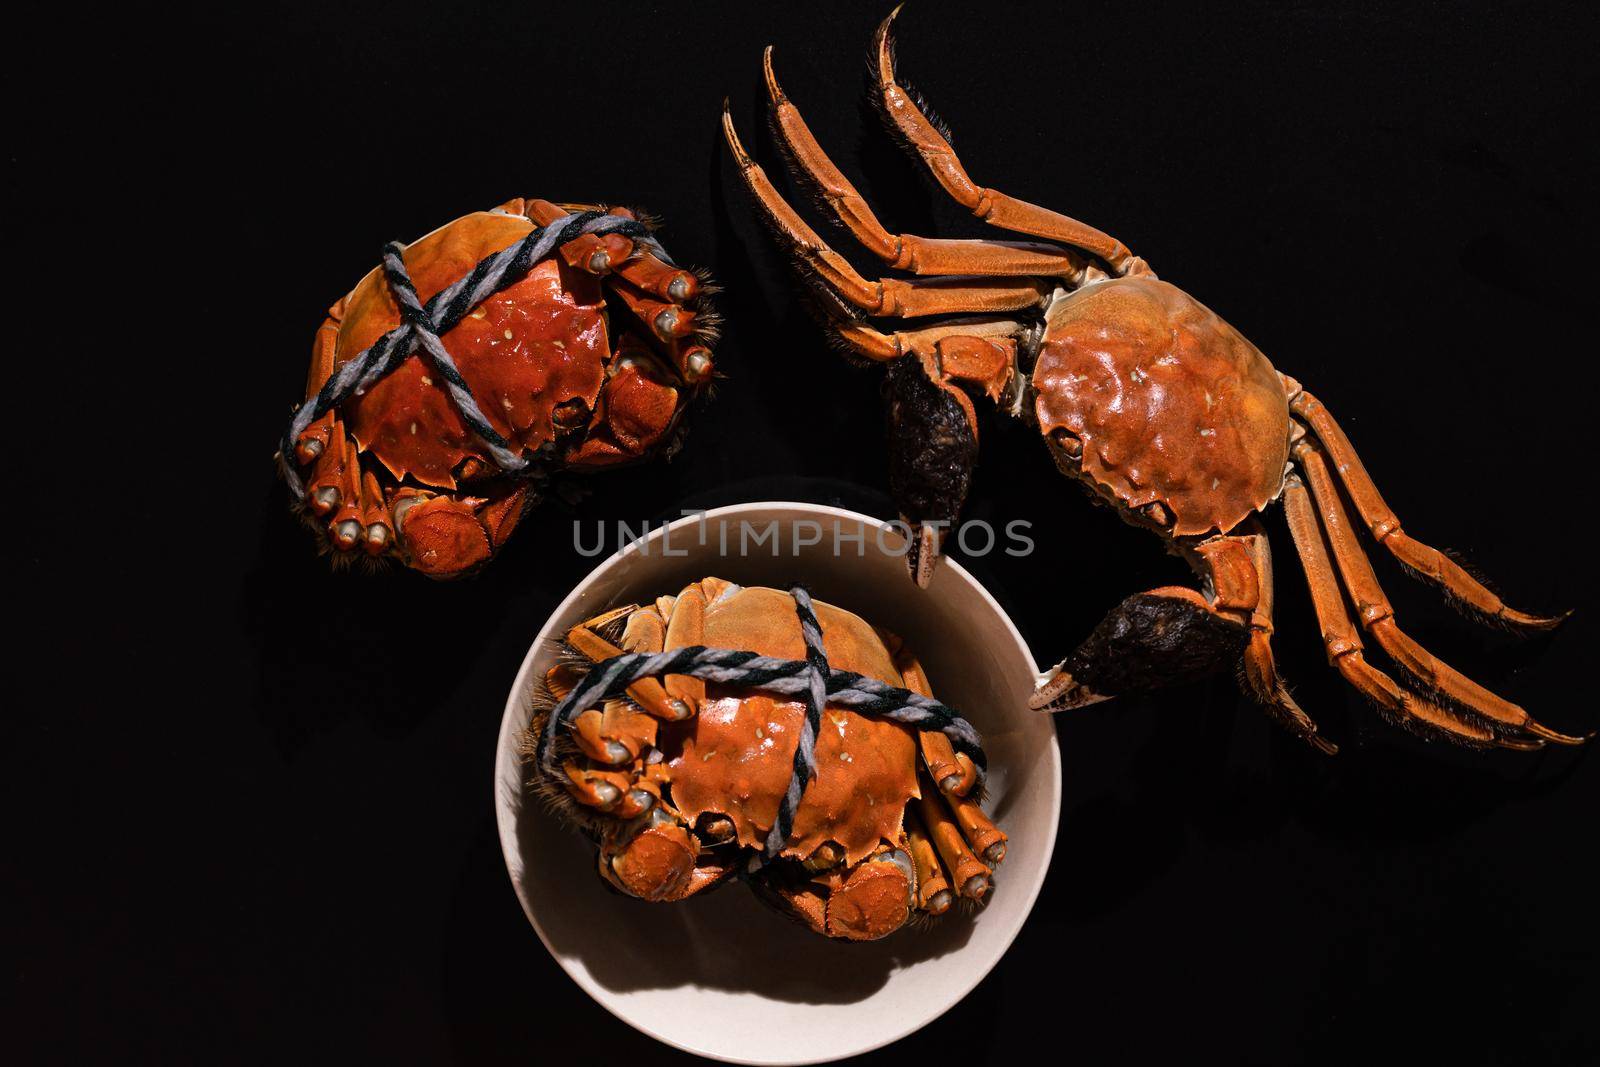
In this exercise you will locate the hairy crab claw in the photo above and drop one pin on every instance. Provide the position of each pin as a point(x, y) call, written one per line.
point(933, 446)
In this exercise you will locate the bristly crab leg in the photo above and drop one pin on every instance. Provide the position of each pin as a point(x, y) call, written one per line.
point(648, 693)
point(1378, 618)
point(884, 297)
point(919, 255)
point(1343, 641)
point(1240, 572)
point(1420, 560)
point(923, 138)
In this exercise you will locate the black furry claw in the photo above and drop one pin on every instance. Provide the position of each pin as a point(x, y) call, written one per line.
point(932, 451)
point(1149, 641)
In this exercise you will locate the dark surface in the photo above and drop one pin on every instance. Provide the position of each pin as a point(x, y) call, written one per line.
point(249, 798)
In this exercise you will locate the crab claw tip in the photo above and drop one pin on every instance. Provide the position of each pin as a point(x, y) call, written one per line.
point(1058, 690)
point(922, 553)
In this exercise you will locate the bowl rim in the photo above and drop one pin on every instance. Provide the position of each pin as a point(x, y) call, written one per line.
point(506, 824)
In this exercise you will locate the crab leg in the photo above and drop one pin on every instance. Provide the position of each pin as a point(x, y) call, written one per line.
point(974, 826)
point(595, 788)
point(1343, 641)
point(1240, 572)
point(594, 253)
point(886, 297)
point(661, 279)
point(1378, 618)
point(686, 627)
point(646, 692)
point(978, 352)
point(994, 207)
point(666, 320)
point(968, 873)
point(673, 329)
point(933, 888)
point(377, 528)
point(319, 444)
point(617, 737)
point(988, 840)
point(920, 255)
point(614, 734)
point(345, 527)
point(656, 857)
point(325, 486)
point(655, 291)
point(338, 489)
point(953, 771)
point(315, 439)
point(1423, 561)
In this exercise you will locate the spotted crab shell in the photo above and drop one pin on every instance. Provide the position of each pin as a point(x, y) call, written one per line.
point(528, 349)
point(736, 756)
point(1171, 404)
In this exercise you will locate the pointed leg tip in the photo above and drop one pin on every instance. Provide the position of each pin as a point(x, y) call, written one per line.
point(731, 135)
point(1538, 729)
point(1323, 745)
point(1522, 620)
point(885, 46)
point(774, 90)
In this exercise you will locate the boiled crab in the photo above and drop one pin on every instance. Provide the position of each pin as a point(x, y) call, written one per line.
point(586, 362)
point(679, 781)
point(1150, 401)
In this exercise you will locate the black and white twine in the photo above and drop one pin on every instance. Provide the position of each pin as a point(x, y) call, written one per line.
point(811, 681)
point(422, 324)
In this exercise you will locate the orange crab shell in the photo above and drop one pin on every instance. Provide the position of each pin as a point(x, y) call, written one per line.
point(737, 754)
point(532, 348)
point(1172, 405)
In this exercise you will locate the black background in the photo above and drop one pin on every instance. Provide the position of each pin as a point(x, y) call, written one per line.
point(251, 798)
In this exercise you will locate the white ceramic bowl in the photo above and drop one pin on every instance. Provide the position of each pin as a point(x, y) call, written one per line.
point(778, 993)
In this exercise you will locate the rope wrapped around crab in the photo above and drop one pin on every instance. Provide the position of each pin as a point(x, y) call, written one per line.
point(503, 348)
point(801, 750)
point(1151, 402)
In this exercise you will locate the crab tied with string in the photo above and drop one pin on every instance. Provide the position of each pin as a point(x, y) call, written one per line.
point(504, 348)
point(745, 732)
